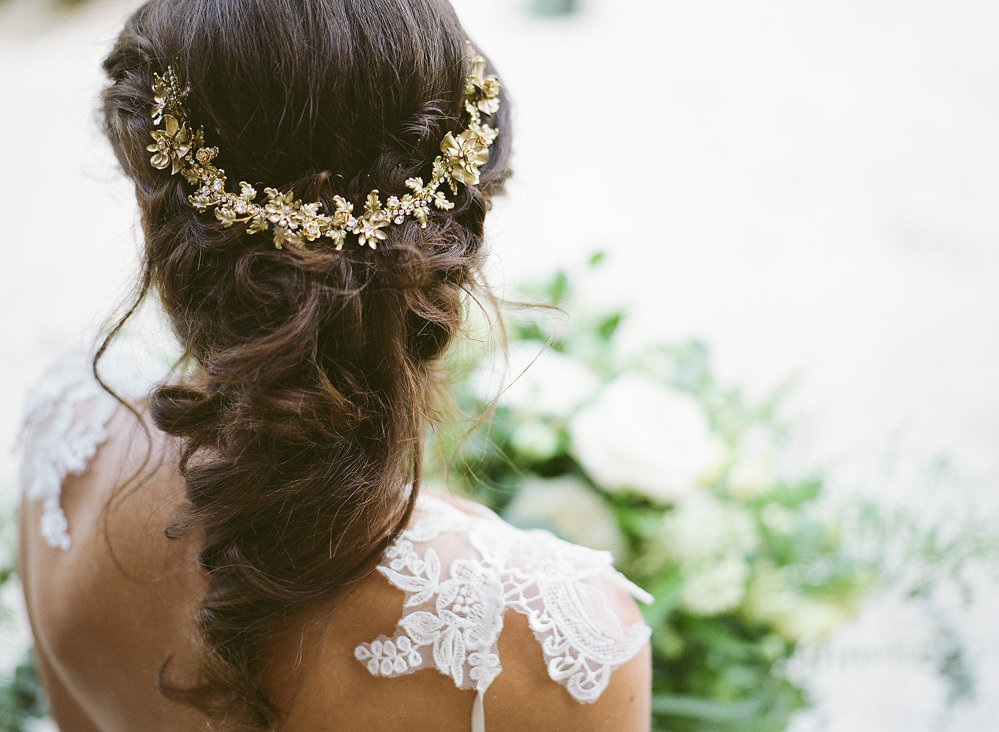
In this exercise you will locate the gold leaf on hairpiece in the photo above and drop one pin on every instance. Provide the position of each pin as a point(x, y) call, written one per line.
point(441, 201)
point(343, 215)
point(372, 205)
point(257, 224)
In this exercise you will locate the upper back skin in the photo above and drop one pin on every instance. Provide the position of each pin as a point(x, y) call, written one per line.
point(111, 609)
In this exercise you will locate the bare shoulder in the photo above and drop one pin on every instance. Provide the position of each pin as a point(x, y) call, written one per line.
point(410, 646)
point(315, 679)
point(525, 693)
point(108, 607)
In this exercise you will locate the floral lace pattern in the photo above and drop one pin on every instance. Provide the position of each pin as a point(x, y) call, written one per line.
point(64, 422)
point(452, 618)
point(461, 570)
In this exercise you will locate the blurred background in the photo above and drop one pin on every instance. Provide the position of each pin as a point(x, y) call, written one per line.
point(809, 189)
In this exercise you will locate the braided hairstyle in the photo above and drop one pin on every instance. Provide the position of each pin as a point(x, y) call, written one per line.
point(302, 420)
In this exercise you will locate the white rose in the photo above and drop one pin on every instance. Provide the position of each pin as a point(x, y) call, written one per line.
point(535, 379)
point(641, 435)
point(571, 509)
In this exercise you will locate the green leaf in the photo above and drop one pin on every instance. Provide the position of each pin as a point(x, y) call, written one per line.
point(21, 696)
point(706, 710)
point(645, 523)
point(558, 288)
point(795, 494)
point(609, 325)
point(666, 593)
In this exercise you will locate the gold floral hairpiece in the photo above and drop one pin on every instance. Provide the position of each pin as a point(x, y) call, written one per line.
point(183, 151)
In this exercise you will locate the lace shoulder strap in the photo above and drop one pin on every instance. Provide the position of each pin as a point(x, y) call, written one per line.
point(460, 573)
point(64, 422)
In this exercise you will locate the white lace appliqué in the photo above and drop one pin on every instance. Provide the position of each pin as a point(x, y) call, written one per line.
point(64, 422)
point(453, 616)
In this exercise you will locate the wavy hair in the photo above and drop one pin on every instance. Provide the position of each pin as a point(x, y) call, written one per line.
point(313, 372)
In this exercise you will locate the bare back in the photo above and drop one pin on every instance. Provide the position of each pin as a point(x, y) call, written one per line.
point(110, 608)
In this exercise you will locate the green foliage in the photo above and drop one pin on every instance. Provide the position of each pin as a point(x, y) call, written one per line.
point(778, 554)
point(554, 7)
point(744, 561)
point(21, 696)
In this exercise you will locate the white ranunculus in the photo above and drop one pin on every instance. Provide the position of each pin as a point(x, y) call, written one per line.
point(702, 527)
point(571, 509)
point(535, 379)
point(641, 435)
point(714, 587)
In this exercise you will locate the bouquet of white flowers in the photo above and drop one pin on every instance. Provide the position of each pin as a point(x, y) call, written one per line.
point(650, 458)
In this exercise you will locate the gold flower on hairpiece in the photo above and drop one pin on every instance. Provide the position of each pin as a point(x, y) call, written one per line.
point(369, 231)
point(171, 145)
point(369, 227)
point(482, 90)
point(280, 208)
point(464, 156)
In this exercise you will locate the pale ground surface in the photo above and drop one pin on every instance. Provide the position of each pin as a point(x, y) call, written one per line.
point(810, 188)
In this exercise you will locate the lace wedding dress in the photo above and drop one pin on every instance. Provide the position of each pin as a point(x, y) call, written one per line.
point(460, 570)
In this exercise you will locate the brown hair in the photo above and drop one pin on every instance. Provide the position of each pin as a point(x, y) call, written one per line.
point(303, 420)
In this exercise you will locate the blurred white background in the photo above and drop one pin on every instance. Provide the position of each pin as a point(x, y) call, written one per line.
point(811, 188)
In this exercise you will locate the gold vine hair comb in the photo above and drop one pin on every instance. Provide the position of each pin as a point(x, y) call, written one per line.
point(183, 151)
